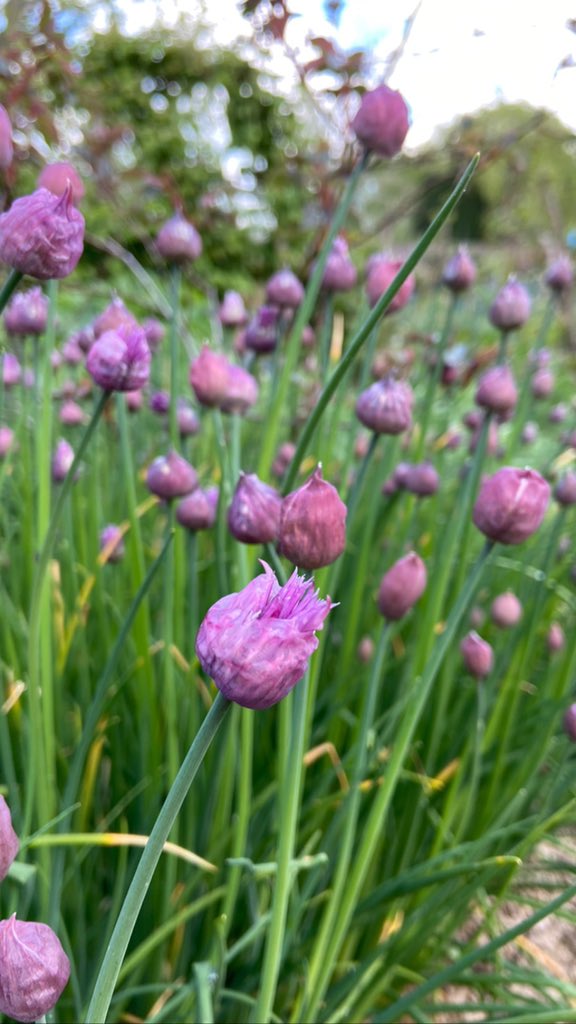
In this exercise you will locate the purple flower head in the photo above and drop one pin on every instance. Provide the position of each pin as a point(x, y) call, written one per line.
point(35, 969)
point(11, 369)
point(542, 383)
point(497, 390)
point(386, 406)
point(154, 332)
point(170, 476)
point(560, 275)
point(114, 316)
point(421, 478)
point(27, 313)
point(284, 289)
point(569, 722)
point(197, 511)
point(6, 441)
point(506, 610)
point(9, 842)
point(511, 307)
point(565, 490)
point(188, 422)
point(312, 524)
point(72, 354)
point(402, 586)
point(58, 177)
point(254, 513)
point(261, 335)
point(381, 273)
point(6, 146)
point(477, 654)
point(256, 644)
point(340, 274)
point(232, 312)
point(511, 505)
point(42, 235)
point(460, 271)
point(382, 121)
point(112, 541)
point(178, 241)
point(134, 400)
point(71, 414)
point(160, 402)
point(556, 638)
point(284, 456)
point(218, 383)
point(119, 360)
point(62, 460)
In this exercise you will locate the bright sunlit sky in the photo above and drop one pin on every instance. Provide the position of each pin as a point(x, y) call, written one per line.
point(461, 54)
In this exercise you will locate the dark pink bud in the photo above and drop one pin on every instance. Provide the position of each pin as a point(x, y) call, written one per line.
point(340, 274)
point(232, 312)
point(256, 644)
point(11, 369)
point(382, 121)
point(112, 542)
point(178, 241)
point(569, 722)
point(386, 406)
point(261, 335)
point(119, 360)
point(511, 505)
point(160, 402)
point(511, 307)
point(312, 524)
point(560, 275)
point(35, 969)
point(477, 654)
point(556, 638)
point(460, 271)
point(382, 273)
point(254, 514)
point(197, 511)
point(218, 383)
point(497, 390)
point(42, 235)
point(542, 384)
point(114, 316)
point(27, 313)
point(154, 332)
point(58, 177)
point(170, 476)
point(9, 842)
point(6, 441)
point(188, 422)
point(62, 460)
point(284, 289)
point(506, 610)
point(565, 490)
point(71, 414)
point(242, 391)
point(6, 146)
point(421, 479)
point(284, 456)
point(402, 586)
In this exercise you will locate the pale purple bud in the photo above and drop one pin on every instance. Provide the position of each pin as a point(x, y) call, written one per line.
point(154, 332)
point(560, 275)
point(473, 419)
point(35, 969)
point(556, 638)
point(27, 313)
point(308, 339)
point(460, 271)
point(6, 146)
point(71, 414)
point(62, 460)
point(197, 511)
point(119, 360)
point(382, 121)
point(365, 650)
point(254, 513)
point(170, 476)
point(421, 479)
point(477, 654)
point(11, 369)
point(6, 441)
point(312, 524)
point(542, 383)
point(242, 391)
point(134, 400)
point(58, 177)
point(340, 274)
point(284, 289)
point(382, 273)
point(256, 644)
point(402, 586)
point(85, 337)
point(218, 383)
point(42, 235)
point(9, 842)
point(511, 505)
point(72, 354)
point(558, 413)
point(112, 542)
point(511, 307)
point(284, 456)
point(56, 359)
point(159, 402)
point(565, 490)
point(506, 610)
point(496, 390)
point(28, 378)
point(386, 406)
point(569, 722)
point(232, 312)
point(178, 240)
point(188, 422)
point(261, 335)
point(114, 316)
point(529, 432)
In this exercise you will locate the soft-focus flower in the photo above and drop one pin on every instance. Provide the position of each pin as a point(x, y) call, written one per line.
point(27, 313)
point(460, 271)
point(284, 289)
point(556, 638)
point(218, 383)
point(382, 121)
point(170, 476)
point(232, 312)
point(256, 644)
point(312, 524)
point(6, 441)
point(402, 586)
point(340, 274)
point(506, 610)
point(62, 460)
point(542, 383)
point(188, 422)
point(569, 722)
point(112, 541)
point(283, 458)
point(197, 511)
point(382, 272)
point(254, 513)
point(72, 354)
point(529, 432)
point(119, 360)
point(35, 969)
point(386, 406)
point(42, 235)
point(261, 335)
point(477, 654)
point(511, 505)
point(421, 479)
point(511, 307)
point(178, 240)
point(159, 402)
point(58, 177)
point(565, 489)
point(71, 414)
point(114, 316)
point(365, 650)
point(11, 369)
point(134, 400)
point(560, 275)
point(154, 332)
point(497, 390)
point(9, 842)
point(6, 146)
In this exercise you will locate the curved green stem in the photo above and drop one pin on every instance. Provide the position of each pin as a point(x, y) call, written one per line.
point(9, 287)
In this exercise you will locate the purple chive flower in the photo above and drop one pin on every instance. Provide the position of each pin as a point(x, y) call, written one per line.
point(197, 511)
point(565, 490)
point(380, 275)
point(558, 413)
point(506, 610)
point(365, 650)
point(160, 402)
point(261, 335)
point(42, 235)
point(188, 422)
point(496, 390)
point(71, 414)
point(35, 969)
point(402, 586)
point(72, 354)
point(154, 332)
point(283, 458)
point(569, 722)
point(312, 524)
point(112, 540)
point(386, 406)
point(254, 513)
point(560, 275)
point(11, 369)
point(9, 842)
point(511, 505)
point(542, 383)
point(256, 644)
point(119, 360)
point(62, 460)
point(421, 479)
point(340, 274)
point(170, 476)
point(134, 400)
point(27, 313)
point(6, 441)
point(232, 312)
point(511, 307)
point(556, 638)
point(6, 146)
point(218, 383)
point(382, 121)
point(178, 241)
point(58, 177)
point(477, 654)
point(114, 316)
point(460, 272)
point(529, 432)
point(284, 289)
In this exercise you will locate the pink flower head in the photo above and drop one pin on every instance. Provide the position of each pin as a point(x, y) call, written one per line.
point(57, 177)
point(112, 542)
point(339, 273)
point(114, 316)
point(460, 271)
point(11, 369)
point(254, 513)
point(284, 289)
point(312, 531)
point(477, 654)
point(511, 307)
point(256, 644)
point(197, 511)
point(27, 313)
point(560, 275)
point(9, 843)
point(232, 312)
point(35, 969)
point(511, 505)
point(381, 273)
point(42, 235)
point(178, 241)
point(402, 586)
point(170, 476)
point(382, 121)
point(386, 406)
point(218, 383)
point(261, 335)
point(119, 360)
point(62, 460)
point(6, 147)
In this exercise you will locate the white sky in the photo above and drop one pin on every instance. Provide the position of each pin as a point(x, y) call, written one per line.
point(461, 54)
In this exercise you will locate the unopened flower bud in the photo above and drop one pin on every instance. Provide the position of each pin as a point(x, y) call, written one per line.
point(58, 177)
point(232, 312)
point(159, 402)
point(6, 441)
point(511, 307)
point(188, 422)
point(134, 400)
point(178, 240)
point(119, 360)
point(558, 413)
point(542, 383)
point(197, 511)
point(254, 513)
point(556, 638)
point(506, 610)
point(35, 969)
point(27, 313)
point(312, 524)
point(154, 332)
point(42, 235)
point(218, 383)
point(340, 274)
point(6, 146)
point(112, 541)
point(386, 406)
point(261, 335)
point(382, 121)
point(560, 275)
point(284, 456)
point(170, 476)
point(62, 460)
point(460, 271)
point(511, 505)
point(402, 586)
point(382, 273)
point(569, 722)
point(284, 289)
point(71, 414)
point(365, 650)
point(496, 390)
point(114, 316)
point(565, 490)
point(477, 654)
point(11, 369)
point(9, 842)
point(421, 479)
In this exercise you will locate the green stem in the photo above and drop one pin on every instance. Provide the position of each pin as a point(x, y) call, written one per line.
point(106, 980)
point(175, 282)
point(424, 417)
point(9, 287)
